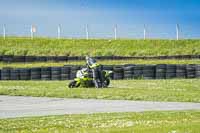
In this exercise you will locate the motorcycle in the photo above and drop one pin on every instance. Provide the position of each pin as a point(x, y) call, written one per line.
point(86, 79)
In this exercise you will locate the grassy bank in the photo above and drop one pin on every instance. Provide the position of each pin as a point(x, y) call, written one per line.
point(106, 62)
point(146, 122)
point(43, 46)
point(143, 90)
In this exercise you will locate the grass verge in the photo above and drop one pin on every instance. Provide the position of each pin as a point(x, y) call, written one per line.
point(99, 47)
point(181, 90)
point(145, 122)
point(107, 62)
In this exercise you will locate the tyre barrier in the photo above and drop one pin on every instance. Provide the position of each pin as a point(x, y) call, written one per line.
point(160, 72)
point(131, 71)
point(35, 73)
point(65, 73)
point(197, 74)
point(138, 71)
point(191, 71)
point(11, 58)
point(181, 71)
point(46, 73)
point(170, 71)
point(24, 74)
point(55, 73)
point(15, 74)
point(149, 72)
point(5, 74)
point(118, 72)
point(128, 72)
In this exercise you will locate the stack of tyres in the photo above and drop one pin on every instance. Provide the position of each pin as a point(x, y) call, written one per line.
point(109, 68)
point(56, 73)
point(7, 58)
point(197, 74)
point(30, 58)
point(161, 71)
point(41, 59)
point(72, 58)
point(46, 73)
point(128, 72)
point(81, 58)
point(118, 72)
point(15, 74)
point(61, 58)
point(190, 71)
point(51, 58)
point(5, 73)
point(181, 71)
point(65, 73)
point(74, 69)
point(35, 73)
point(138, 72)
point(19, 59)
point(24, 74)
point(149, 72)
point(170, 71)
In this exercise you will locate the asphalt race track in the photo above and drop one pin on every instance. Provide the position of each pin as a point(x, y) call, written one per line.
point(18, 106)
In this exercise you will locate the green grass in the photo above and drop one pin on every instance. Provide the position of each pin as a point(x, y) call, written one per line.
point(145, 122)
point(106, 62)
point(181, 90)
point(80, 47)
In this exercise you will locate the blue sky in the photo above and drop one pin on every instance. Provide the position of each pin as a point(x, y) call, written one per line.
point(159, 16)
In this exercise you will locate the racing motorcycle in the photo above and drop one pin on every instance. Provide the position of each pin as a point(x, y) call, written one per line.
point(92, 76)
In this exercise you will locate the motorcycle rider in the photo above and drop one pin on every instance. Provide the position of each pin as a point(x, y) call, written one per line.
point(96, 71)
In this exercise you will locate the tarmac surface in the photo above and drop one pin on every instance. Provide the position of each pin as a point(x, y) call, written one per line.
point(19, 106)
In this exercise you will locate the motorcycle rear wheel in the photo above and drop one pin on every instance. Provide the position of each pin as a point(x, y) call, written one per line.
point(106, 83)
point(73, 84)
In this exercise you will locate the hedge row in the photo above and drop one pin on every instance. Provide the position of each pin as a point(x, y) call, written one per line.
point(162, 71)
point(10, 58)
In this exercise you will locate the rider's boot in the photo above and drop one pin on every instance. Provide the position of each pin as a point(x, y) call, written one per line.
point(96, 84)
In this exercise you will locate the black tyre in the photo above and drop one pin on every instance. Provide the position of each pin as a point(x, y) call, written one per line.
point(35, 73)
point(73, 84)
point(5, 73)
point(14, 74)
point(30, 59)
point(191, 71)
point(56, 73)
point(160, 71)
point(18, 58)
point(197, 72)
point(46, 73)
point(108, 67)
point(106, 83)
point(24, 74)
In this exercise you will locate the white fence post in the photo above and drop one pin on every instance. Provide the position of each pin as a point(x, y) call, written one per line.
point(4, 31)
point(87, 32)
point(177, 31)
point(115, 32)
point(59, 31)
point(33, 30)
point(145, 32)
